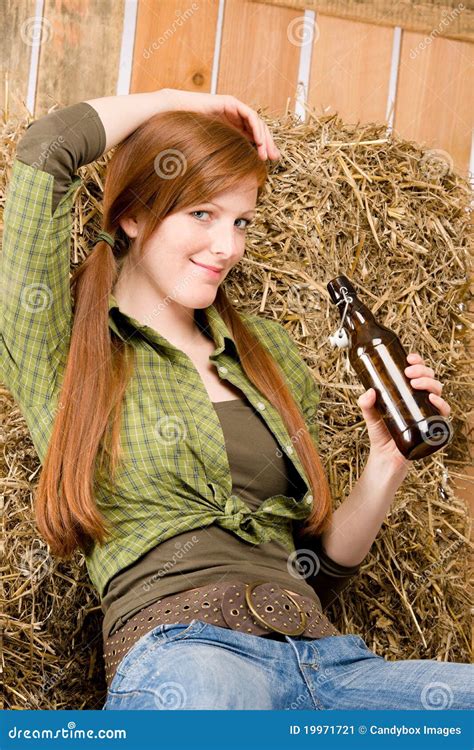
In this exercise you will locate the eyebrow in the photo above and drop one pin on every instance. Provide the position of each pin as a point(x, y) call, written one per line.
point(249, 210)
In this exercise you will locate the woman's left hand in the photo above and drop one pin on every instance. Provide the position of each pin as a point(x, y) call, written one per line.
point(382, 444)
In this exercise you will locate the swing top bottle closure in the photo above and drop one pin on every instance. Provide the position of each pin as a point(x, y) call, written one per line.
point(379, 360)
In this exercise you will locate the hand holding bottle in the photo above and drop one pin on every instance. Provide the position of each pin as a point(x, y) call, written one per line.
point(403, 408)
point(381, 442)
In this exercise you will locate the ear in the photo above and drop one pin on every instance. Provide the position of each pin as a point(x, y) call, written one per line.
point(129, 225)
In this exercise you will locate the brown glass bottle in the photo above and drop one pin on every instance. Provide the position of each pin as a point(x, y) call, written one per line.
point(379, 359)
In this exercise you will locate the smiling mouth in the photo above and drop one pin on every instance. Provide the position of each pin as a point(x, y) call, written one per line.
point(207, 268)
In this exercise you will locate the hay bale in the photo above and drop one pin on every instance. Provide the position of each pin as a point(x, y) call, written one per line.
point(344, 198)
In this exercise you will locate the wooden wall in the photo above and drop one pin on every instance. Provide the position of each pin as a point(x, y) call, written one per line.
point(412, 71)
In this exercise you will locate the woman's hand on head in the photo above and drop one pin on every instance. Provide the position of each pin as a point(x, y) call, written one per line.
point(229, 109)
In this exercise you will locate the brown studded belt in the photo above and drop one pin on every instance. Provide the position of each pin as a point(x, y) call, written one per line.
point(258, 608)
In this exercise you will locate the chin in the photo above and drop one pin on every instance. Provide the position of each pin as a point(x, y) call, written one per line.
point(201, 301)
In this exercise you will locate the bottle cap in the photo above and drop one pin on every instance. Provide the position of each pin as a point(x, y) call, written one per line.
point(339, 339)
point(338, 286)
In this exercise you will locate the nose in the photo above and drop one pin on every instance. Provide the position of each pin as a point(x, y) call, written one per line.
point(224, 240)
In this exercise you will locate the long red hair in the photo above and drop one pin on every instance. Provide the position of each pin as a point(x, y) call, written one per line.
point(198, 157)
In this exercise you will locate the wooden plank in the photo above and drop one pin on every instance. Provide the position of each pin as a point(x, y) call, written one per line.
point(434, 103)
point(350, 69)
point(80, 60)
point(174, 45)
point(439, 19)
point(20, 30)
point(260, 55)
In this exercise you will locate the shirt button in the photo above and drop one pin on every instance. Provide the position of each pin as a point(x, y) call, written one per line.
point(223, 370)
point(261, 405)
point(289, 449)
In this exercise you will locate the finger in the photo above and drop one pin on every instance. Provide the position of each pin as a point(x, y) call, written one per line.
point(440, 404)
point(240, 115)
point(256, 126)
point(418, 371)
point(367, 399)
point(427, 384)
point(272, 150)
point(415, 359)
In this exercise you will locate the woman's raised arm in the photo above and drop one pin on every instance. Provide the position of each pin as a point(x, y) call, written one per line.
point(121, 115)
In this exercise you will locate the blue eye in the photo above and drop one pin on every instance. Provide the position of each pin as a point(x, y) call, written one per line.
point(207, 212)
point(247, 224)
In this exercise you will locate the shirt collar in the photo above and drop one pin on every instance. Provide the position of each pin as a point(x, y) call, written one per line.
point(219, 330)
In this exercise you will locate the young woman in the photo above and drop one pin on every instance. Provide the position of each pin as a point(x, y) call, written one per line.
point(177, 435)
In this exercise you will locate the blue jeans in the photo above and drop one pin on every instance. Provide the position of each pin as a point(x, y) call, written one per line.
point(203, 666)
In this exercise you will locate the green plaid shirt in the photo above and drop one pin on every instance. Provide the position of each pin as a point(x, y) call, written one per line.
point(175, 476)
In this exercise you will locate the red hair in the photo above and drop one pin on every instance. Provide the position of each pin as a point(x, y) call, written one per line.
point(86, 431)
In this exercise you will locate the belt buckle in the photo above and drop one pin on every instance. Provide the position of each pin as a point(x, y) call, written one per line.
point(249, 587)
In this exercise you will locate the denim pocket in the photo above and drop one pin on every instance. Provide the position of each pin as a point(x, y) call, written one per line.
point(174, 631)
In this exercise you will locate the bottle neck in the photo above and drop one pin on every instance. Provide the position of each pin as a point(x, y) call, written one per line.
point(357, 314)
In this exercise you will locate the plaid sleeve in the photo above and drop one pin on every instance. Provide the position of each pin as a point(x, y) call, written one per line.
point(35, 311)
point(35, 305)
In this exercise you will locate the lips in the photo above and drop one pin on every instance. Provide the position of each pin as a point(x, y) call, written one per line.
point(209, 268)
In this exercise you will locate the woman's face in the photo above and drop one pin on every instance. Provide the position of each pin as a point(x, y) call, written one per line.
point(208, 233)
